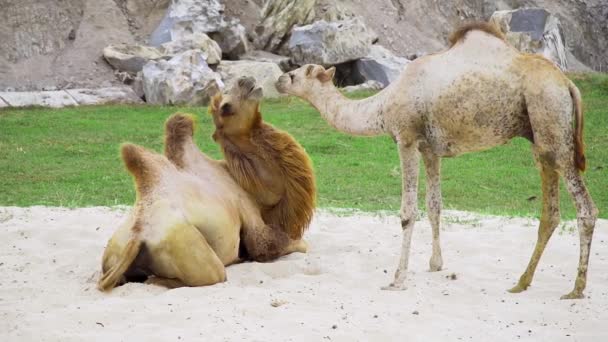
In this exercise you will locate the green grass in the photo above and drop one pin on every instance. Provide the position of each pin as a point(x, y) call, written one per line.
point(69, 157)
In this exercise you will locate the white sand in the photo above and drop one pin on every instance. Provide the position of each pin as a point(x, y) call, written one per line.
point(50, 258)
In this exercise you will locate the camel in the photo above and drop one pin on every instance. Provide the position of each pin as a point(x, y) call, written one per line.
point(189, 218)
point(479, 93)
point(268, 163)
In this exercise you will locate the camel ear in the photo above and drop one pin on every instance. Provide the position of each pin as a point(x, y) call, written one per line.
point(256, 94)
point(327, 75)
point(212, 88)
point(214, 105)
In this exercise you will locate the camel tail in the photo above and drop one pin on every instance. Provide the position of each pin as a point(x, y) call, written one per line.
point(579, 147)
point(178, 129)
point(110, 278)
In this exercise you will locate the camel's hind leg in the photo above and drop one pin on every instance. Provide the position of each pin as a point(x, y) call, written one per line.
point(184, 256)
point(432, 164)
point(586, 215)
point(548, 222)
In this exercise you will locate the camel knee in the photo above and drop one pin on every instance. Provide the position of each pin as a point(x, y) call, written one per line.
point(407, 220)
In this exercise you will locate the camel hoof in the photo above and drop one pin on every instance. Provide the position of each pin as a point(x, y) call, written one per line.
point(435, 268)
point(518, 288)
point(394, 287)
point(435, 264)
point(573, 295)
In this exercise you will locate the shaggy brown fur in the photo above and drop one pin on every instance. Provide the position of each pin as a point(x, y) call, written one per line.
point(268, 163)
point(462, 31)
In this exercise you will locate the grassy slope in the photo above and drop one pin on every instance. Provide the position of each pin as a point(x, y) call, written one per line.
point(69, 157)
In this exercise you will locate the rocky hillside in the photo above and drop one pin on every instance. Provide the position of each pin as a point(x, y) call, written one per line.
point(57, 44)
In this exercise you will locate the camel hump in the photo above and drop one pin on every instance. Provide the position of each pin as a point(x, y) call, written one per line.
point(462, 31)
point(179, 128)
point(141, 164)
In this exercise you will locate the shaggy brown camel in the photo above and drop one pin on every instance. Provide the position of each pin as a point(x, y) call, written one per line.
point(268, 163)
point(188, 219)
point(479, 93)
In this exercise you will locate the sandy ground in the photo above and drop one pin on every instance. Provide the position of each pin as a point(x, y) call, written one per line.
point(50, 257)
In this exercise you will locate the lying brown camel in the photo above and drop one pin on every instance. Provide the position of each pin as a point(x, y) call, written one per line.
point(188, 220)
point(478, 94)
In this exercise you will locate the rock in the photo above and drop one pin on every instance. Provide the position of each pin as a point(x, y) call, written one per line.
point(185, 17)
point(3, 104)
point(265, 73)
point(194, 41)
point(534, 30)
point(138, 85)
point(130, 58)
point(188, 16)
point(368, 85)
point(111, 95)
point(54, 99)
point(232, 39)
point(262, 56)
point(279, 17)
point(381, 65)
point(185, 79)
point(330, 43)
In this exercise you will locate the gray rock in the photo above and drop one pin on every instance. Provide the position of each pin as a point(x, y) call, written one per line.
point(266, 74)
point(114, 95)
point(194, 41)
point(185, 79)
point(368, 85)
point(262, 56)
point(279, 17)
point(130, 58)
point(185, 17)
point(330, 43)
point(54, 99)
point(188, 16)
point(534, 30)
point(3, 104)
point(138, 85)
point(232, 38)
point(381, 65)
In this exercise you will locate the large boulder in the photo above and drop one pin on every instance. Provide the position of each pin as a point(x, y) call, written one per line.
point(534, 30)
point(329, 43)
point(232, 38)
point(266, 74)
point(380, 65)
point(185, 17)
point(263, 56)
point(130, 58)
point(279, 17)
point(194, 41)
point(185, 79)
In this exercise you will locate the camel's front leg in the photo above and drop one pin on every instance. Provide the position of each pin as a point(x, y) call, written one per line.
point(409, 209)
point(432, 164)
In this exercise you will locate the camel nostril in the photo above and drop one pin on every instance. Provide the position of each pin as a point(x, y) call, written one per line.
point(291, 76)
point(226, 109)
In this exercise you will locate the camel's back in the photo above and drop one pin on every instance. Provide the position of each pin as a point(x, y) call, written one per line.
point(477, 55)
point(471, 96)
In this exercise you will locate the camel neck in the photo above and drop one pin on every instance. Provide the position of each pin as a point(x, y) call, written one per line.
point(357, 117)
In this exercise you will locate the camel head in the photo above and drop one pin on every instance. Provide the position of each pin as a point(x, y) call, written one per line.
point(301, 81)
point(236, 110)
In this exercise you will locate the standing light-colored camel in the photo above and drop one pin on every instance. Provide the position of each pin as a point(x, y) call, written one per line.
point(478, 94)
